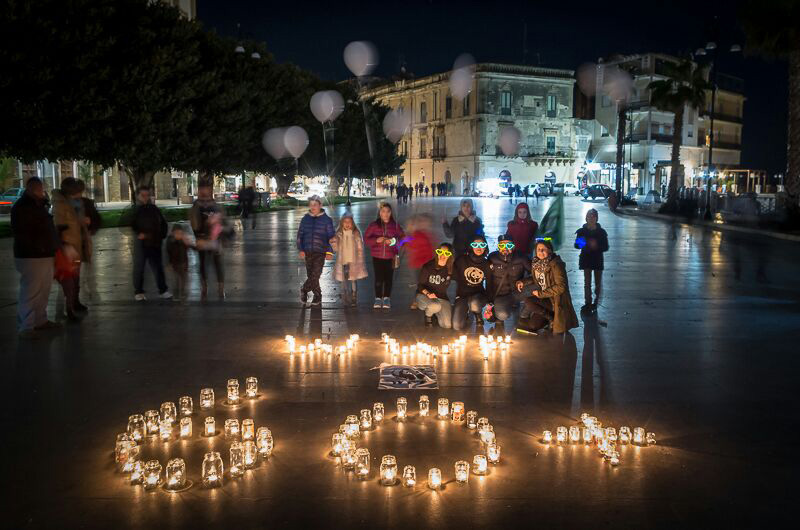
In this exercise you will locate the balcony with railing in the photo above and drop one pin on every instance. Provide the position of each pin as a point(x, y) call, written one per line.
point(439, 153)
point(657, 138)
point(722, 116)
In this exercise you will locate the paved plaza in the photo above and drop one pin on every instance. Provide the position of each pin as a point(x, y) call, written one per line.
point(680, 346)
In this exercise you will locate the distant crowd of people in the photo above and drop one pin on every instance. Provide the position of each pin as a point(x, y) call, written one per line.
point(405, 193)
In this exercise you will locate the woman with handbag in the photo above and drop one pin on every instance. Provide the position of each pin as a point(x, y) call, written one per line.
point(382, 237)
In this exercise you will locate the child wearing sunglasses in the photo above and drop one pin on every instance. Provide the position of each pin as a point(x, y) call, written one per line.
point(470, 273)
point(434, 278)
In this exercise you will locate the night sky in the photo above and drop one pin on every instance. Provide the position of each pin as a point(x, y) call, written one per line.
point(428, 35)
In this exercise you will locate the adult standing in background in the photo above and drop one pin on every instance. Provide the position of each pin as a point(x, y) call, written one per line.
point(150, 229)
point(205, 216)
point(35, 244)
point(463, 227)
point(72, 227)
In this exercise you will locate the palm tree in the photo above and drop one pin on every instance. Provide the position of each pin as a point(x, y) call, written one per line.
point(685, 86)
point(772, 29)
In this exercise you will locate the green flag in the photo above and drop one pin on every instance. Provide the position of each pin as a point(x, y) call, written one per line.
point(552, 225)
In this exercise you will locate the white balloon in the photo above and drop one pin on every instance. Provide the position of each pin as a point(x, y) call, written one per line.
point(335, 101)
point(587, 78)
point(396, 124)
point(295, 140)
point(464, 60)
point(462, 75)
point(618, 83)
point(326, 105)
point(509, 141)
point(361, 57)
point(273, 143)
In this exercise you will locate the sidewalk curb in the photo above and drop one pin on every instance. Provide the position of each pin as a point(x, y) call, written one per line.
point(631, 212)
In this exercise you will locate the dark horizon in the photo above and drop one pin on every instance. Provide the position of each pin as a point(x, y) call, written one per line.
point(427, 36)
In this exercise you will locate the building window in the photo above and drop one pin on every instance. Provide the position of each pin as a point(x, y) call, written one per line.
point(423, 147)
point(603, 130)
point(466, 105)
point(551, 106)
point(423, 112)
point(435, 105)
point(551, 145)
point(448, 107)
point(605, 101)
point(505, 102)
point(690, 130)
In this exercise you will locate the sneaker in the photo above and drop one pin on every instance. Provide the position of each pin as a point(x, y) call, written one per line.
point(140, 297)
point(221, 292)
point(304, 297)
point(387, 304)
point(166, 295)
point(317, 301)
point(49, 324)
point(378, 304)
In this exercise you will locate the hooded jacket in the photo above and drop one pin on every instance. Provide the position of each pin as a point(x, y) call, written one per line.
point(522, 231)
point(462, 229)
point(471, 272)
point(315, 233)
point(434, 278)
point(591, 259)
point(505, 270)
point(556, 288)
point(388, 230)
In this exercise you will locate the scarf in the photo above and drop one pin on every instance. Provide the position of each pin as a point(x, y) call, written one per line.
point(539, 268)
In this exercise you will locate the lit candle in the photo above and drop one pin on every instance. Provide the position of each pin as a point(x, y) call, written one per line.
point(485, 352)
point(207, 398)
point(186, 405)
point(352, 426)
point(611, 434)
point(232, 428)
point(318, 342)
point(385, 338)
point(457, 411)
point(444, 408)
point(493, 453)
point(137, 472)
point(472, 419)
point(248, 429)
point(212, 470)
point(152, 474)
point(210, 426)
point(388, 470)
point(462, 471)
point(151, 420)
point(402, 407)
point(547, 437)
point(409, 476)
point(481, 424)
point(121, 446)
point(424, 405)
point(251, 387)
point(355, 337)
point(342, 350)
point(462, 339)
point(186, 427)
point(176, 474)
point(585, 418)
point(236, 468)
point(479, 465)
point(613, 458)
point(126, 452)
point(445, 349)
point(302, 349)
point(624, 435)
point(404, 350)
point(366, 419)
point(265, 443)
point(587, 435)
point(336, 443)
point(377, 411)
point(638, 436)
point(233, 391)
point(136, 427)
point(169, 412)
point(435, 478)
point(165, 430)
point(487, 435)
point(650, 438)
point(349, 456)
point(561, 435)
point(362, 463)
point(574, 434)
point(508, 339)
point(250, 454)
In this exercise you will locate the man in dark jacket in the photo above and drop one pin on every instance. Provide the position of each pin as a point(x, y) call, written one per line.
point(313, 244)
point(506, 269)
point(470, 272)
point(464, 227)
point(592, 240)
point(150, 228)
point(247, 198)
point(35, 243)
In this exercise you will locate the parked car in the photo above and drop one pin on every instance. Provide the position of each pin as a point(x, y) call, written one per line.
point(596, 191)
point(297, 188)
point(9, 197)
point(544, 189)
point(566, 188)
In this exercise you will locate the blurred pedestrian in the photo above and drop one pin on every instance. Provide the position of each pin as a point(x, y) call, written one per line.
point(434, 279)
point(178, 255)
point(314, 245)
point(526, 192)
point(35, 244)
point(207, 224)
point(470, 272)
point(427, 190)
point(418, 245)
point(247, 199)
point(592, 240)
point(522, 230)
point(72, 227)
point(382, 237)
point(463, 227)
point(349, 266)
point(150, 228)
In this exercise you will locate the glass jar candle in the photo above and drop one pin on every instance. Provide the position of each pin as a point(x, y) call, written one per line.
point(424, 405)
point(650, 438)
point(209, 426)
point(624, 435)
point(457, 411)
point(584, 418)
point(586, 435)
point(212, 470)
point(547, 437)
point(388, 470)
point(409, 476)
point(488, 436)
point(121, 446)
point(366, 419)
point(175, 474)
point(165, 430)
point(638, 436)
point(236, 465)
point(480, 464)
point(611, 434)
point(248, 429)
point(233, 391)
point(152, 474)
point(443, 408)
point(362, 463)
point(207, 398)
point(232, 428)
point(472, 419)
point(574, 434)
point(349, 456)
point(265, 443)
point(251, 387)
point(151, 420)
point(137, 472)
point(352, 426)
point(402, 408)
point(186, 427)
point(336, 443)
point(481, 424)
point(493, 452)
point(434, 478)
point(462, 471)
point(377, 411)
point(561, 435)
point(136, 427)
point(250, 452)
point(124, 453)
point(169, 412)
point(185, 406)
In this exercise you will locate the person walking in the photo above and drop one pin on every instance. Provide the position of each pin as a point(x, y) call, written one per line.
point(35, 244)
point(506, 269)
point(434, 279)
point(72, 227)
point(314, 246)
point(419, 244)
point(470, 273)
point(206, 220)
point(247, 199)
point(150, 228)
point(526, 192)
point(550, 305)
point(349, 266)
point(382, 237)
point(463, 227)
point(522, 230)
point(178, 257)
point(536, 193)
point(592, 240)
